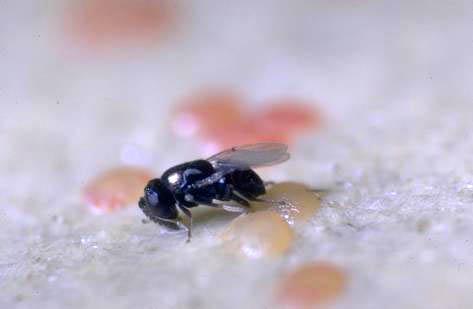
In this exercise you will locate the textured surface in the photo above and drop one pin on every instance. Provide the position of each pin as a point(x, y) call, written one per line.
point(393, 79)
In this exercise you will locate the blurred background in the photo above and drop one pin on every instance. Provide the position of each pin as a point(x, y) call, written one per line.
point(78, 73)
point(384, 86)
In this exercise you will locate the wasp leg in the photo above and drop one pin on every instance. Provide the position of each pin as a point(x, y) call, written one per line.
point(242, 207)
point(253, 198)
point(235, 208)
point(188, 213)
point(177, 222)
point(237, 197)
point(231, 208)
point(281, 202)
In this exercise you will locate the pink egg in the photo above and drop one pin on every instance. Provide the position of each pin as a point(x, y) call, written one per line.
point(241, 133)
point(290, 116)
point(311, 286)
point(116, 188)
point(206, 112)
point(99, 24)
point(219, 119)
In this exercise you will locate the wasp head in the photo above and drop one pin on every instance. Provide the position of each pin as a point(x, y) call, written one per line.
point(159, 203)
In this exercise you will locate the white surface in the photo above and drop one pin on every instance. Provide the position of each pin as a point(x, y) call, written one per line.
point(395, 83)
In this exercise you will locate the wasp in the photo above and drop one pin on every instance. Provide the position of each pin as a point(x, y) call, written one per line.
point(227, 176)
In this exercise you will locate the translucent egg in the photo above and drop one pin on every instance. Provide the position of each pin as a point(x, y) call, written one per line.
point(294, 202)
point(258, 235)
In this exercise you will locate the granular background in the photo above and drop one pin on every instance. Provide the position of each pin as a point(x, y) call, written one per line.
point(393, 80)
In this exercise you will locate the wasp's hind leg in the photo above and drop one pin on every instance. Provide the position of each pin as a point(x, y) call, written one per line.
point(239, 198)
point(253, 198)
point(242, 204)
point(230, 208)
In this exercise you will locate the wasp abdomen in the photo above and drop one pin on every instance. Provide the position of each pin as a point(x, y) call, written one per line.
point(248, 183)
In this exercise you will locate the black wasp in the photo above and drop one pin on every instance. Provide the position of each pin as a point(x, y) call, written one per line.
point(226, 176)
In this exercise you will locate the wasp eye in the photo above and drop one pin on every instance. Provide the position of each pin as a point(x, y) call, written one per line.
point(151, 196)
point(155, 192)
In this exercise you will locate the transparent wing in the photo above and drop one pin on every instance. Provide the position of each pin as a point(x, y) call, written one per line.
point(251, 156)
point(245, 157)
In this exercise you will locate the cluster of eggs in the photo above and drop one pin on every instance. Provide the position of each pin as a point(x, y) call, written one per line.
point(268, 233)
point(220, 119)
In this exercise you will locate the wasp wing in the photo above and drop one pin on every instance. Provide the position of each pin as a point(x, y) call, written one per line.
point(245, 157)
point(251, 156)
